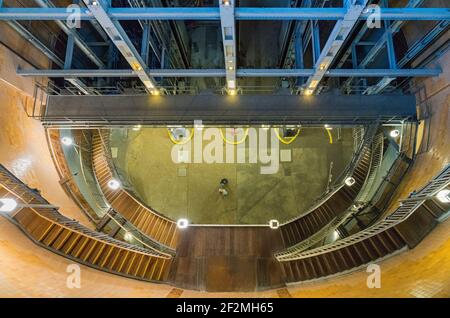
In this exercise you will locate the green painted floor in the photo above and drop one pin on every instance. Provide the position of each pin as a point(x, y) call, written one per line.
point(191, 189)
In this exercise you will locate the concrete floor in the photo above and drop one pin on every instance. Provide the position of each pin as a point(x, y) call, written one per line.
point(144, 157)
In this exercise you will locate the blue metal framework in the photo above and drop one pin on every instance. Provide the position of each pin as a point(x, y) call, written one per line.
point(426, 72)
point(385, 41)
point(107, 19)
point(227, 23)
point(122, 42)
point(335, 41)
point(241, 13)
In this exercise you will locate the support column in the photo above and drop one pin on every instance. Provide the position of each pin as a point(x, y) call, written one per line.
point(334, 43)
point(227, 21)
point(120, 39)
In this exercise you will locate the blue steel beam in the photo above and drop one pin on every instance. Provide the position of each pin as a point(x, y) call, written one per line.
point(395, 27)
point(315, 41)
point(240, 72)
point(416, 14)
point(299, 61)
point(145, 43)
point(386, 38)
point(47, 4)
point(227, 23)
point(336, 39)
point(69, 52)
point(412, 52)
point(120, 39)
point(390, 41)
point(417, 47)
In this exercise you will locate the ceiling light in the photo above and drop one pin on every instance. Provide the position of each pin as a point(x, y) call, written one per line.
point(443, 196)
point(232, 92)
point(128, 237)
point(66, 141)
point(137, 127)
point(350, 181)
point(7, 205)
point(308, 92)
point(394, 133)
point(328, 127)
point(274, 224)
point(113, 184)
point(149, 84)
point(226, 2)
point(265, 127)
point(155, 92)
point(182, 223)
point(314, 84)
point(335, 235)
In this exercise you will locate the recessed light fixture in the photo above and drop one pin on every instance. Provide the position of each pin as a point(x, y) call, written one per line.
point(128, 237)
point(394, 133)
point(443, 196)
point(350, 181)
point(274, 224)
point(182, 223)
point(66, 141)
point(7, 205)
point(335, 235)
point(232, 92)
point(149, 84)
point(308, 92)
point(113, 184)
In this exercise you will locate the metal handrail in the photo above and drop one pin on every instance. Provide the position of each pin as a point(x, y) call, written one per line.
point(401, 214)
point(339, 183)
point(375, 164)
point(53, 215)
point(127, 226)
point(112, 166)
point(337, 221)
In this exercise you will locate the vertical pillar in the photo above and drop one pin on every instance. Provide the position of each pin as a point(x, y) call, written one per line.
point(227, 21)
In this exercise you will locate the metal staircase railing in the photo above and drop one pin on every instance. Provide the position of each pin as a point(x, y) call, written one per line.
point(27, 195)
point(339, 183)
point(402, 213)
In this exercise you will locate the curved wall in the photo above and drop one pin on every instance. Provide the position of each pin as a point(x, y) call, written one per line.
point(24, 149)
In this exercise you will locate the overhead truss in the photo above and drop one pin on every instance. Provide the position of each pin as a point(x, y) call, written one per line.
point(108, 20)
point(241, 13)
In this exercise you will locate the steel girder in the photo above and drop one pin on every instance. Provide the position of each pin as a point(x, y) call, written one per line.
point(241, 13)
point(239, 72)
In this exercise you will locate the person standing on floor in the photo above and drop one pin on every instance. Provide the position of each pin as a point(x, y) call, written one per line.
point(222, 187)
